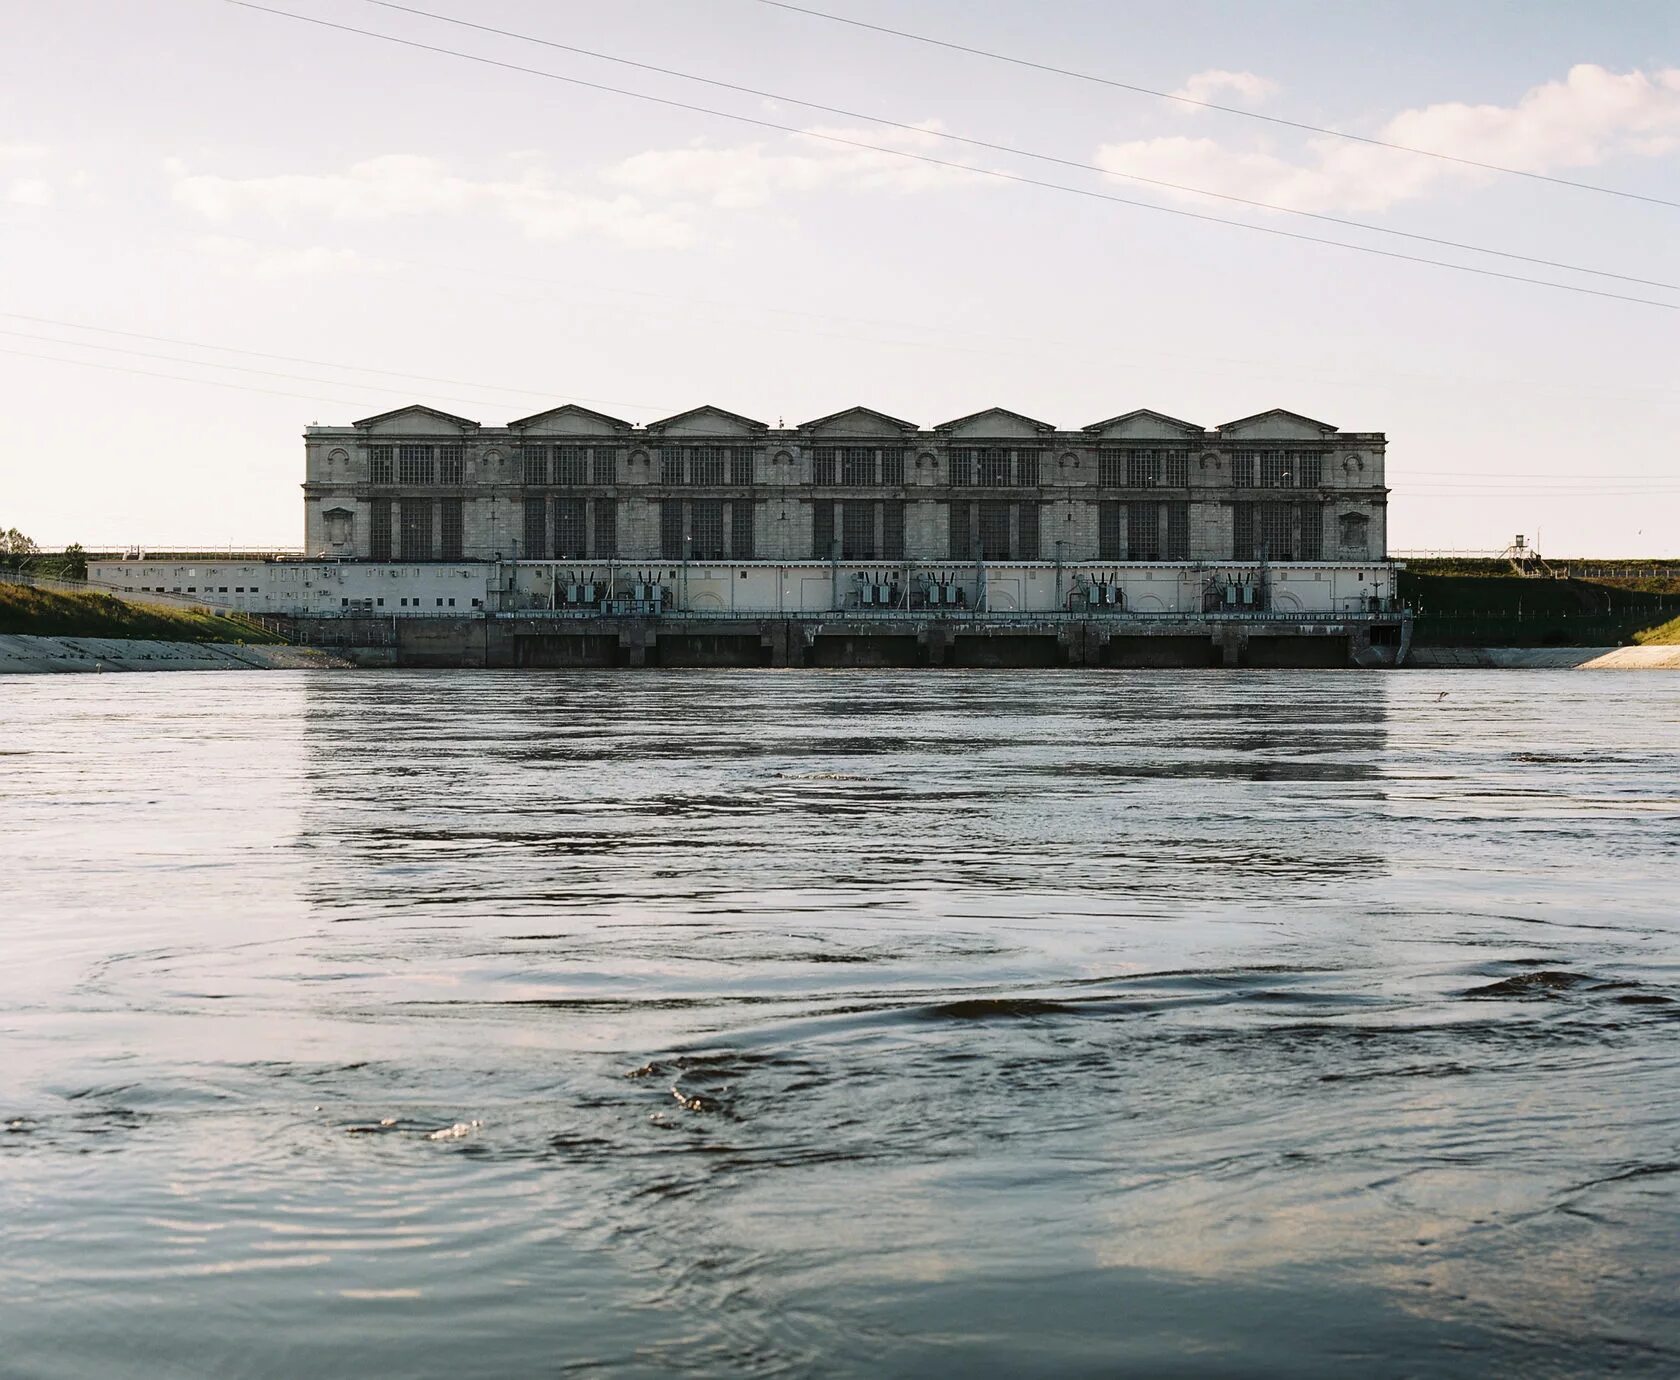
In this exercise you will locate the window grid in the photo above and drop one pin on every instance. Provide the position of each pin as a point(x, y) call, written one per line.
point(606, 528)
point(1143, 469)
point(741, 529)
point(892, 529)
point(603, 462)
point(857, 530)
point(534, 464)
point(571, 536)
point(671, 465)
point(379, 529)
point(822, 467)
point(1143, 531)
point(381, 465)
point(536, 528)
point(1111, 530)
point(452, 464)
point(706, 523)
point(994, 530)
point(961, 529)
point(449, 529)
point(822, 529)
point(707, 466)
point(416, 534)
point(740, 466)
point(571, 465)
point(671, 529)
point(1178, 531)
point(1026, 527)
point(962, 468)
point(414, 465)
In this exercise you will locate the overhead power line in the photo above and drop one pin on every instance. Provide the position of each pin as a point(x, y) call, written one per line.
point(178, 378)
point(1213, 105)
point(1017, 152)
point(995, 173)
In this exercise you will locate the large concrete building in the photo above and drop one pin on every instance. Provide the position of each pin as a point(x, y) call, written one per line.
point(571, 537)
point(707, 485)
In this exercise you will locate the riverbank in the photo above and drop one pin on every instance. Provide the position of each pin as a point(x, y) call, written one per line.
point(1646, 658)
point(22, 654)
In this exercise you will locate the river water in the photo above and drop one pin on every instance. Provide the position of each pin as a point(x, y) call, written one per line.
point(797, 1023)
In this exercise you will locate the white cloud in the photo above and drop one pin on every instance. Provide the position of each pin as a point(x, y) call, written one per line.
point(19, 152)
point(752, 175)
point(247, 259)
point(30, 191)
point(1217, 83)
point(411, 185)
point(1590, 116)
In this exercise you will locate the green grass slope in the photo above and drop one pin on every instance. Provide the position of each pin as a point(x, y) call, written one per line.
point(47, 613)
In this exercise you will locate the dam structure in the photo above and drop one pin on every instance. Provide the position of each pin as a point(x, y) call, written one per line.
point(572, 538)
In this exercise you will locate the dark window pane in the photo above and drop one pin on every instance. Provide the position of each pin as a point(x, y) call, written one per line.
point(1111, 530)
point(416, 518)
point(741, 529)
point(822, 529)
point(1026, 522)
point(857, 530)
point(892, 530)
point(962, 530)
point(536, 529)
point(570, 535)
point(1143, 531)
point(449, 522)
point(994, 531)
point(379, 529)
point(606, 528)
point(671, 529)
point(706, 519)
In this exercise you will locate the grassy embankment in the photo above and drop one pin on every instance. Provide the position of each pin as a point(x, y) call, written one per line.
point(47, 613)
point(1486, 604)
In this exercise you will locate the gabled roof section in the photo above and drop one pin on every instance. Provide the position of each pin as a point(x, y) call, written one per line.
point(973, 417)
point(692, 419)
point(1143, 414)
point(571, 411)
point(880, 418)
point(419, 409)
point(1279, 416)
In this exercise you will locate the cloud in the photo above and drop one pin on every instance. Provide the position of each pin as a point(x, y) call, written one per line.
point(19, 152)
point(1590, 116)
point(30, 191)
point(649, 200)
point(247, 259)
point(753, 175)
point(1216, 83)
point(412, 185)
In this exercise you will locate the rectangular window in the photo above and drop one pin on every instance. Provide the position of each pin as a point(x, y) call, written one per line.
point(606, 528)
point(671, 529)
point(381, 465)
point(452, 464)
point(822, 467)
point(571, 466)
point(708, 467)
point(1026, 469)
point(706, 519)
point(1277, 531)
point(1274, 469)
point(741, 529)
point(857, 530)
point(533, 462)
point(671, 466)
point(1309, 469)
point(822, 529)
point(449, 529)
point(961, 519)
point(857, 466)
point(414, 465)
point(1175, 469)
point(1026, 530)
point(536, 529)
point(1178, 532)
point(1143, 531)
point(740, 466)
point(571, 537)
point(1143, 470)
point(1244, 468)
point(962, 468)
point(1242, 531)
point(1111, 530)
point(892, 530)
point(892, 467)
point(416, 520)
point(603, 465)
point(994, 530)
point(994, 468)
point(1111, 469)
point(1310, 547)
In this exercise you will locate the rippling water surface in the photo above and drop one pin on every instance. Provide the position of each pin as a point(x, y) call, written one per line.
point(794, 1023)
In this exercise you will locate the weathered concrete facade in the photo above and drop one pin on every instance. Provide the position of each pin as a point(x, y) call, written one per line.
point(420, 485)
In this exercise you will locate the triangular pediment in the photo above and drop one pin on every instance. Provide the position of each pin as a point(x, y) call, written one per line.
point(995, 421)
point(858, 421)
point(568, 420)
point(706, 421)
point(1144, 425)
point(416, 420)
point(1278, 425)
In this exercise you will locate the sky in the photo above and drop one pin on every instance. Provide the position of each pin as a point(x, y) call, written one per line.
point(219, 225)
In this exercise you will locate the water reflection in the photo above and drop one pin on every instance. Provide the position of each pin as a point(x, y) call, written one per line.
point(829, 1023)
